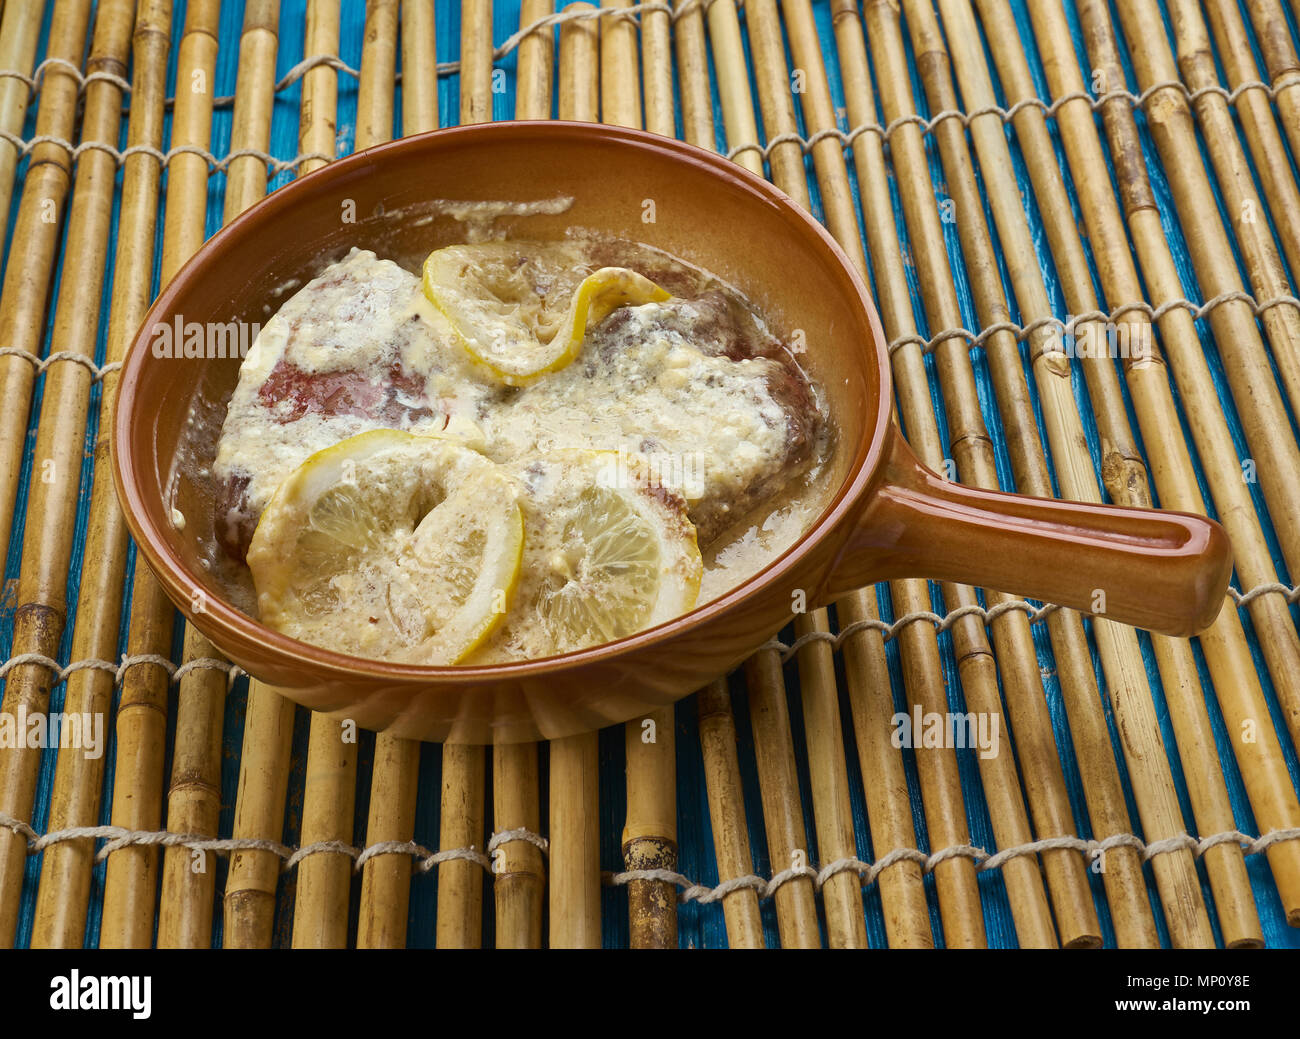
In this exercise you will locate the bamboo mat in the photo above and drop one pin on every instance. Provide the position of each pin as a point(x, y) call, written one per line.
point(238, 822)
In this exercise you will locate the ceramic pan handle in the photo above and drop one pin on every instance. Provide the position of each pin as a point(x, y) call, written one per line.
point(1166, 571)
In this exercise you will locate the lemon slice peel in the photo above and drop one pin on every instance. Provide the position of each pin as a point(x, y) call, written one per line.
point(508, 338)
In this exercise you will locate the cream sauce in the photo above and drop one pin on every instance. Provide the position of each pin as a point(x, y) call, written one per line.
point(359, 347)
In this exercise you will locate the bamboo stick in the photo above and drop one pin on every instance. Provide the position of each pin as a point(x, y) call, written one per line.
point(519, 876)
point(972, 446)
point(460, 882)
point(19, 32)
point(320, 911)
point(250, 897)
point(1239, 694)
point(574, 786)
point(958, 894)
point(193, 804)
point(794, 903)
point(787, 840)
point(248, 905)
point(1245, 362)
point(1275, 44)
point(733, 84)
point(32, 254)
point(1230, 663)
point(620, 78)
point(320, 86)
point(394, 781)
point(476, 61)
point(131, 881)
point(52, 505)
point(1143, 747)
point(776, 99)
point(131, 876)
point(1172, 467)
point(536, 63)
point(1223, 644)
point(1277, 635)
point(579, 67)
point(1247, 211)
point(833, 813)
point(129, 887)
point(194, 793)
point(955, 878)
point(657, 66)
point(575, 831)
point(650, 831)
point(378, 74)
point(194, 796)
point(419, 67)
point(254, 97)
point(141, 726)
point(22, 313)
point(889, 810)
point(694, 85)
point(320, 907)
point(1121, 656)
point(386, 879)
point(1043, 778)
point(726, 811)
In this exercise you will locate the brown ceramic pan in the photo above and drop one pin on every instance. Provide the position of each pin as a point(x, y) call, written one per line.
point(889, 517)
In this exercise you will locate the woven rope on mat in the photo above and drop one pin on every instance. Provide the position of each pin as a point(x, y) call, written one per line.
point(888, 631)
point(1095, 101)
point(174, 671)
point(425, 860)
point(807, 143)
point(633, 14)
point(1154, 314)
point(445, 68)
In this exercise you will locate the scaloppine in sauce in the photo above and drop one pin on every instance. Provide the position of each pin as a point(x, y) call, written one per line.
point(660, 443)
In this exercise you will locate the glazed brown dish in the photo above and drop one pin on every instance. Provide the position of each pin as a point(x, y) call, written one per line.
point(885, 516)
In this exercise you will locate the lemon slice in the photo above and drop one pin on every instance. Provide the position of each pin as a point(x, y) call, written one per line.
point(519, 318)
point(607, 554)
point(390, 545)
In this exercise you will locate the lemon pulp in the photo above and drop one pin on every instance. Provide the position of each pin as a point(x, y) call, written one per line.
point(607, 553)
point(390, 545)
